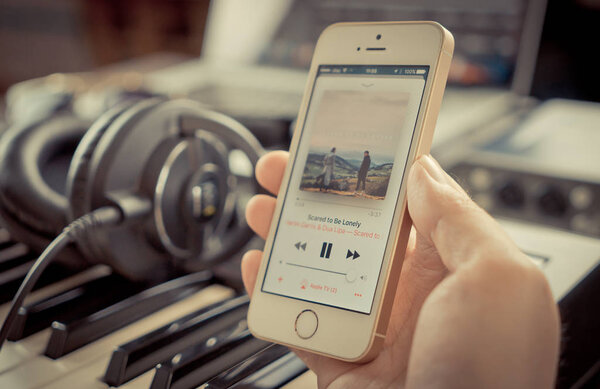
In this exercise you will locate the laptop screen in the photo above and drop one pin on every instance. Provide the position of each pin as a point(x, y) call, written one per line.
point(488, 33)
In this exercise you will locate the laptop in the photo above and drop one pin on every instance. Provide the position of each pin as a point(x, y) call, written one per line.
point(258, 70)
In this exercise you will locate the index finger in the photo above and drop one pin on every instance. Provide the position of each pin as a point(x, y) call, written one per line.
point(270, 168)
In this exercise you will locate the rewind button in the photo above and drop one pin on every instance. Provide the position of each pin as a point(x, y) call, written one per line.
point(300, 245)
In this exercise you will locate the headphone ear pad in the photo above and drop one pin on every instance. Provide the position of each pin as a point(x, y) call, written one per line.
point(77, 176)
point(34, 161)
point(79, 190)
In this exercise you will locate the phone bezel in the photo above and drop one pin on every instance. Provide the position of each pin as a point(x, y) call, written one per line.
point(406, 43)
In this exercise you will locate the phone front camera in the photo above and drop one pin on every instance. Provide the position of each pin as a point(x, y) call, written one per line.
point(358, 48)
point(378, 37)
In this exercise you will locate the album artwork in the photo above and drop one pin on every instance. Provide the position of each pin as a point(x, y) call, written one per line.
point(353, 143)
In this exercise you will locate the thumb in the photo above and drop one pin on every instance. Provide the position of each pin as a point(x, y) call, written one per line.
point(444, 214)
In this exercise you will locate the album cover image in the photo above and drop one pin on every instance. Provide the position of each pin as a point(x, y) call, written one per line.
point(353, 143)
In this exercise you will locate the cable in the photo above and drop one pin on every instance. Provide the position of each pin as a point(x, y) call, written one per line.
point(71, 233)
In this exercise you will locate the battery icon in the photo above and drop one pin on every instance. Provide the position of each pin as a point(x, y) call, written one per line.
point(420, 71)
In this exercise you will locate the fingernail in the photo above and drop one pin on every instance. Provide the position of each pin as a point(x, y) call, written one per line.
point(433, 168)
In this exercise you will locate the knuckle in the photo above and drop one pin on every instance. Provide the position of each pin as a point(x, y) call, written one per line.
point(512, 274)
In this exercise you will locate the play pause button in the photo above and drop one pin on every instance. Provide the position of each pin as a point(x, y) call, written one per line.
point(326, 250)
point(351, 254)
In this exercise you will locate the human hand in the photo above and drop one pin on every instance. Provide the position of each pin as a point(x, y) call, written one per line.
point(471, 310)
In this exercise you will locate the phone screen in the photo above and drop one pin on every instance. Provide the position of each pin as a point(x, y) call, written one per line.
point(340, 201)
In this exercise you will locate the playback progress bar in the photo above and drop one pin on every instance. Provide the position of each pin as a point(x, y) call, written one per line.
point(316, 268)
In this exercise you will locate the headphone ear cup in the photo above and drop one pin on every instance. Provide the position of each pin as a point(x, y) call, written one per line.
point(77, 175)
point(79, 190)
point(34, 161)
point(160, 151)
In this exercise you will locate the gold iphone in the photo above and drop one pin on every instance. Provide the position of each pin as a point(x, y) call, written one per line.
point(338, 236)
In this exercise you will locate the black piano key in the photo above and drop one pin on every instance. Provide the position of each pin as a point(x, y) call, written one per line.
point(142, 354)
point(66, 337)
point(274, 375)
point(246, 368)
point(79, 301)
point(13, 255)
point(200, 363)
point(11, 279)
point(5, 238)
point(13, 276)
point(15, 261)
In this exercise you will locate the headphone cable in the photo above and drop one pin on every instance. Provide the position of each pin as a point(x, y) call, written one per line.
point(108, 215)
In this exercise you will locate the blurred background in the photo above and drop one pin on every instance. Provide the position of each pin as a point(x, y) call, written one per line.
point(39, 37)
point(519, 126)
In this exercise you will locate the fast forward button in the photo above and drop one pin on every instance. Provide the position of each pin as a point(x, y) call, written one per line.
point(352, 254)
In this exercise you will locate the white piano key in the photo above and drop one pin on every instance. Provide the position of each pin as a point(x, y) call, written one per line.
point(142, 382)
point(17, 353)
point(41, 370)
point(307, 380)
point(90, 377)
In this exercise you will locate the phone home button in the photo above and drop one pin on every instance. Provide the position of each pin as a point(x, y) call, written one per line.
point(306, 324)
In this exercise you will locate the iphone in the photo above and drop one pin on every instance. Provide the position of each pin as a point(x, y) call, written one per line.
point(335, 248)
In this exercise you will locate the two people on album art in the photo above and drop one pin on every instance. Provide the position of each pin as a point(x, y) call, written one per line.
point(355, 137)
point(327, 175)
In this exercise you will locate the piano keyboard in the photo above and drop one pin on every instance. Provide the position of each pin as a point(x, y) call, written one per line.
point(94, 329)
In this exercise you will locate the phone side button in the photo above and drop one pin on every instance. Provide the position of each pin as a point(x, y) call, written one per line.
point(306, 324)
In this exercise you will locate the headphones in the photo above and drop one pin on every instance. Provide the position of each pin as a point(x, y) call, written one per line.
point(171, 158)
